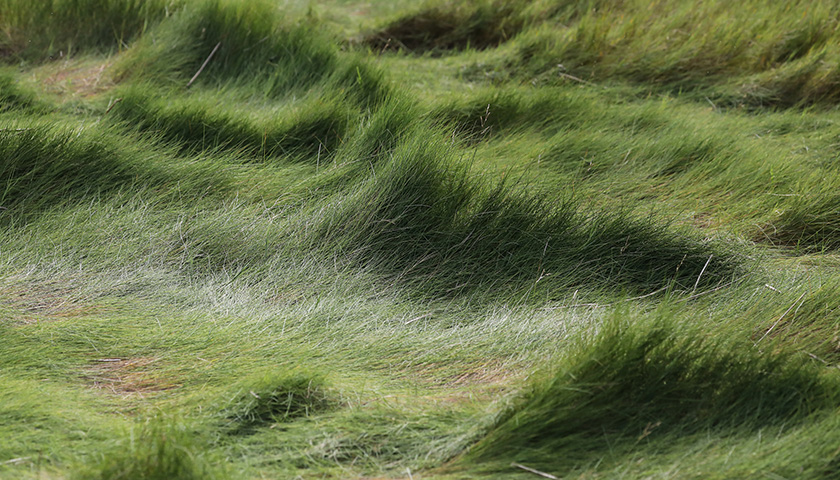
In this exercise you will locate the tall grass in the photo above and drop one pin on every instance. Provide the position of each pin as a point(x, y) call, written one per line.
point(636, 380)
point(313, 259)
point(757, 54)
point(153, 452)
point(421, 215)
point(49, 29)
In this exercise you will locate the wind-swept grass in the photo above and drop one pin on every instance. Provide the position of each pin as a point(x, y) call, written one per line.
point(421, 216)
point(45, 165)
point(314, 129)
point(52, 29)
point(259, 250)
point(757, 54)
point(153, 452)
point(242, 43)
point(646, 380)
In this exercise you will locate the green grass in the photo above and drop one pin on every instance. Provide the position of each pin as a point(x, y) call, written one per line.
point(58, 28)
point(386, 240)
point(641, 380)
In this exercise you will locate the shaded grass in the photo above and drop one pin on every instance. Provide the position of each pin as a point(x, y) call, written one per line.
point(315, 128)
point(37, 31)
point(48, 164)
point(441, 26)
point(421, 216)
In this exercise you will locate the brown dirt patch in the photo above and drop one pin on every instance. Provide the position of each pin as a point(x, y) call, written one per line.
point(128, 377)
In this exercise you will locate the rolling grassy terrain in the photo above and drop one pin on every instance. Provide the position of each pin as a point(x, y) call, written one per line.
point(479, 239)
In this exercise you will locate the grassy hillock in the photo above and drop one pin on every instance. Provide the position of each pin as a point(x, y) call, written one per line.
point(251, 239)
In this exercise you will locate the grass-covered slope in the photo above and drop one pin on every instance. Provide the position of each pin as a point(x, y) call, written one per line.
point(752, 53)
point(380, 240)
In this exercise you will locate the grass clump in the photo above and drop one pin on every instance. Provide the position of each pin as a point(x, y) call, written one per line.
point(276, 397)
point(422, 216)
point(51, 29)
point(636, 380)
point(154, 452)
point(255, 46)
point(445, 25)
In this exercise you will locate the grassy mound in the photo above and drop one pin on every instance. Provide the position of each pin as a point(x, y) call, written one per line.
point(637, 380)
point(55, 28)
point(249, 44)
point(441, 26)
point(275, 398)
point(155, 452)
point(252, 42)
point(422, 216)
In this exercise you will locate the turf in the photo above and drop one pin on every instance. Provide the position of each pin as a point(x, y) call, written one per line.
point(446, 240)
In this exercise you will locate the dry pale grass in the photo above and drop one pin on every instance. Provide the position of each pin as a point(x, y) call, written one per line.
point(74, 78)
point(45, 301)
point(128, 377)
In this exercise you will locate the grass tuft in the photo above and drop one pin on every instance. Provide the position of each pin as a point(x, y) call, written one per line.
point(50, 29)
point(275, 398)
point(441, 26)
point(647, 379)
point(256, 46)
point(154, 452)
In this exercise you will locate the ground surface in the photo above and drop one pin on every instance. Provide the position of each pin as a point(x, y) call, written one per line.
point(341, 239)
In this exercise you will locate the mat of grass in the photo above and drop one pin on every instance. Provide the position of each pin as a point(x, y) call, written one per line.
point(386, 240)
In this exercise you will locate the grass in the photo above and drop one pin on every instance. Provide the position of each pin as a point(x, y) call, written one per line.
point(641, 381)
point(49, 29)
point(370, 240)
